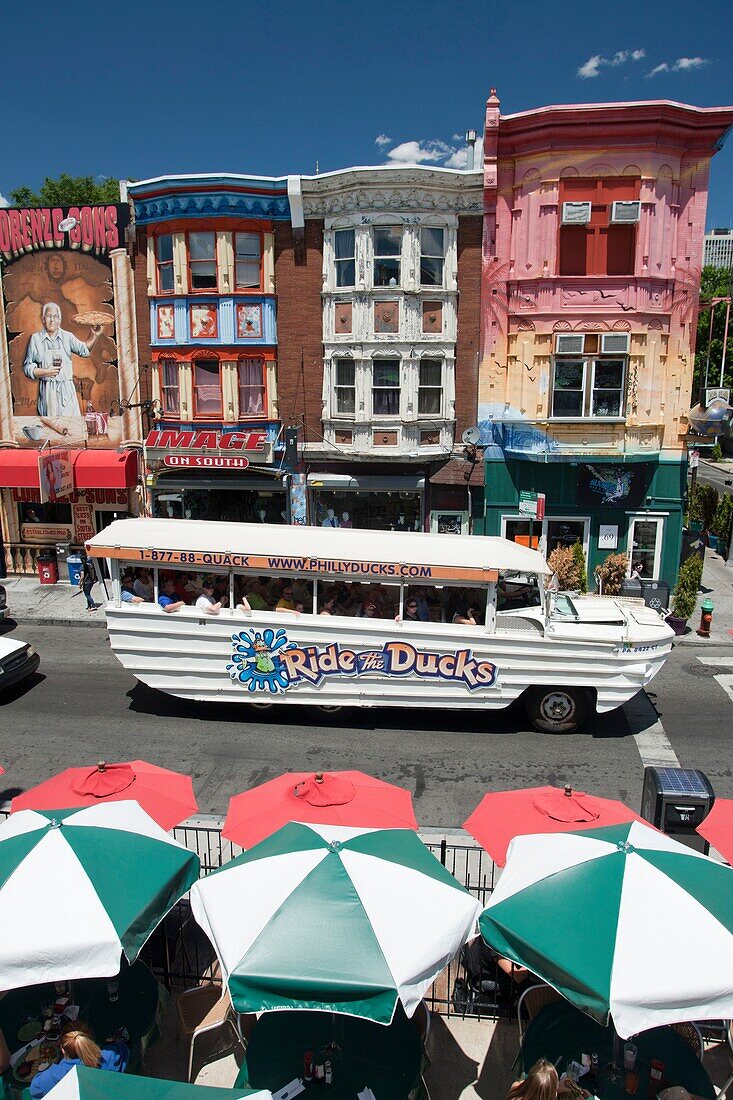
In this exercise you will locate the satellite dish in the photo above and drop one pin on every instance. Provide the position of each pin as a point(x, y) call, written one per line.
point(471, 436)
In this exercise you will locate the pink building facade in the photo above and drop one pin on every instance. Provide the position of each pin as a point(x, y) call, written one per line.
point(594, 218)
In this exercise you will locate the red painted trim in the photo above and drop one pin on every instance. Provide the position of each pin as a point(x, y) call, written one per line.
point(229, 354)
point(222, 225)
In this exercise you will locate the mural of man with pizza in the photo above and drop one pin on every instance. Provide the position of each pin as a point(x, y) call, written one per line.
point(48, 359)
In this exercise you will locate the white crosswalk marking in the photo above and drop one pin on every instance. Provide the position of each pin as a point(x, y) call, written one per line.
point(724, 679)
point(651, 740)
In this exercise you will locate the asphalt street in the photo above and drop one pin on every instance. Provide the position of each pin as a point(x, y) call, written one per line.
point(82, 707)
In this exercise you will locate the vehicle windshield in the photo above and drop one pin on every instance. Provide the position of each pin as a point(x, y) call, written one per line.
point(563, 607)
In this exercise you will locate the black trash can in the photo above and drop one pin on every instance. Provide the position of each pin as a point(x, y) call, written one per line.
point(655, 594)
point(677, 800)
point(632, 587)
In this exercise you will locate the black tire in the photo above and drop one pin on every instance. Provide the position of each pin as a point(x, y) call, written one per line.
point(261, 706)
point(327, 708)
point(555, 709)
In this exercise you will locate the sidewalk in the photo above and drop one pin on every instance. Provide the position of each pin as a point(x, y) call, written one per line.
point(51, 604)
point(717, 583)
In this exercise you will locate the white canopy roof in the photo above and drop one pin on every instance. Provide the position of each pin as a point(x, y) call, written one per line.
point(313, 550)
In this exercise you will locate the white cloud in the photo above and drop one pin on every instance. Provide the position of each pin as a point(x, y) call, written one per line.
point(681, 65)
point(458, 137)
point(459, 158)
point(592, 67)
point(4, 201)
point(420, 152)
point(382, 140)
point(684, 64)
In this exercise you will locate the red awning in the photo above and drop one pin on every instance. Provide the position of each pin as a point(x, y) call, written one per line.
point(92, 469)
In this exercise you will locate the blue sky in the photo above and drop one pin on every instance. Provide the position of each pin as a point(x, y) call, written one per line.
point(144, 88)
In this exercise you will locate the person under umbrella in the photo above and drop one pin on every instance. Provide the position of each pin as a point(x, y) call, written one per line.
point(78, 1048)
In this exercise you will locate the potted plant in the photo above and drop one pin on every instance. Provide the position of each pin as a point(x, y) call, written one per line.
point(563, 563)
point(611, 573)
point(721, 525)
point(703, 504)
point(685, 593)
point(579, 560)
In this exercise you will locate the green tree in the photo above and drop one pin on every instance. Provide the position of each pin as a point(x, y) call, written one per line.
point(68, 191)
point(715, 282)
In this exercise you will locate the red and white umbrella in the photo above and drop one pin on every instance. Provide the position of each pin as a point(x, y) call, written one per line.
point(165, 795)
point(717, 828)
point(502, 815)
point(317, 798)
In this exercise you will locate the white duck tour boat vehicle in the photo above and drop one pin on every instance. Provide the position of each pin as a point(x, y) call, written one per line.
point(260, 613)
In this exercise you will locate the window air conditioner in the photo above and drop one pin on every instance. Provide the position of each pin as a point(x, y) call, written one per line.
point(625, 213)
point(615, 342)
point(575, 213)
point(569, 343)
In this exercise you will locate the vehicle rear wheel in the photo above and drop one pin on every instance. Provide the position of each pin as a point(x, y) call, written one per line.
point(556, 710)
point(333, 709)
point(261, 706)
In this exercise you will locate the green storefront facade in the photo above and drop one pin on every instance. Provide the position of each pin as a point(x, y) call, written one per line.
point(638, 506)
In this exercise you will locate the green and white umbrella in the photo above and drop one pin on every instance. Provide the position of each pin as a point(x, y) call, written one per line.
point(83, 1083)
point(622, 921)
point(334, 918)
point(78, 888)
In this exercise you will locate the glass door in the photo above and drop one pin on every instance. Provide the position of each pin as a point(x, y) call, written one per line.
point(644, 546)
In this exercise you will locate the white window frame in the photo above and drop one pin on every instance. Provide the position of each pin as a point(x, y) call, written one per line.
point(343, 259)
point(248, 259)
point(435, 229)
point(593, 363)
point(336, 387)
point(585, 520)
point(386, 359)
point(440, 415)
point(657, 517)
point(375, 258)
point(588, 387)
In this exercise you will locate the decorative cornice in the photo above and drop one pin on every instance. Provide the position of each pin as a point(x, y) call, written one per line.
point(194, 204)
point(411, 190)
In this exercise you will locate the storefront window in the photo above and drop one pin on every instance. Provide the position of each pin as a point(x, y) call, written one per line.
point(526, 532)
point(44, 513)
point(564, 532)
point(369, 511)
point(207, 387)
point(230, 505)
point(251, 386)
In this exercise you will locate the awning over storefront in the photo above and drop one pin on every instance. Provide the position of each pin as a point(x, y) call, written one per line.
point(366, 483)
point(93, 469)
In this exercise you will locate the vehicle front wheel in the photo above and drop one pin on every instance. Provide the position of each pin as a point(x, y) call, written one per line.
point(556, 710)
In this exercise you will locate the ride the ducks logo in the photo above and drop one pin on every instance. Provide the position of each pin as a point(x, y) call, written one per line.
point(268, 661)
